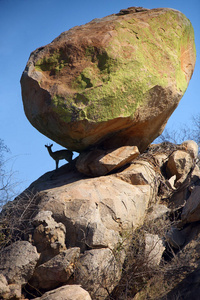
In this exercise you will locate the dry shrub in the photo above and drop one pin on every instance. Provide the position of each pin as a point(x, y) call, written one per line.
point(16, 216)
point(143, 280)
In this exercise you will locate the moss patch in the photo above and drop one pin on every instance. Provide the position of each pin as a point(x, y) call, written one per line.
point(61, 107)
point(67, 110)
point(117, 78)
point(56, 61)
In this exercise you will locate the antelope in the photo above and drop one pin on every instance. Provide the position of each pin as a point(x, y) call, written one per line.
point(58, 155)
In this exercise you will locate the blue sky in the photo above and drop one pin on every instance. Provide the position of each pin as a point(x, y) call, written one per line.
point(28, 24)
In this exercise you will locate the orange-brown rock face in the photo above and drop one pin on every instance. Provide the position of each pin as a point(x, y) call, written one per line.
point(114, 81)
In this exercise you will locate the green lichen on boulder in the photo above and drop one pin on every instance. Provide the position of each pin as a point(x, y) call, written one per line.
point(110, 75)
point(55, 62)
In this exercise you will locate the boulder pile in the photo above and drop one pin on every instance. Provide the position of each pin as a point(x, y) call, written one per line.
point(106, 89)
point(77, 230)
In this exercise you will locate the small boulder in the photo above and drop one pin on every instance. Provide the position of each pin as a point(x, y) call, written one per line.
point(55, 271)
point(191, 147)
point(49, 236)
point(191, 210)
point(181, 195)
point(98, 272)
point(140, 172)
point(154, 249)
point(180, 164)
point(100, 162)
point(66, 292)
point(18, 261)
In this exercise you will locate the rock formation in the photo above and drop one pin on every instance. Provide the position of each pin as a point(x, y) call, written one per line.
point(79, 230)
point(117, 219)
point(114, 81)
point(98, 162)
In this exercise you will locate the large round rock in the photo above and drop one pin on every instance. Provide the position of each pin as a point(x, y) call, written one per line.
point(115, 80)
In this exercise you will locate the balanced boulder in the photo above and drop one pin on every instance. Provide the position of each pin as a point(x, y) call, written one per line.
point(114, 81)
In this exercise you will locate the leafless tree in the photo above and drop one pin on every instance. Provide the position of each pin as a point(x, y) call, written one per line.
point(7, 182)
point(183, 133)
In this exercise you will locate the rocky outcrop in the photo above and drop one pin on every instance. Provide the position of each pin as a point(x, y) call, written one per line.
point(86, 229)
point(95, 210)
point(114, 81)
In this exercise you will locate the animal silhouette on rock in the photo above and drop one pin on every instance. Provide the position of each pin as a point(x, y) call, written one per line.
point(58, 155)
